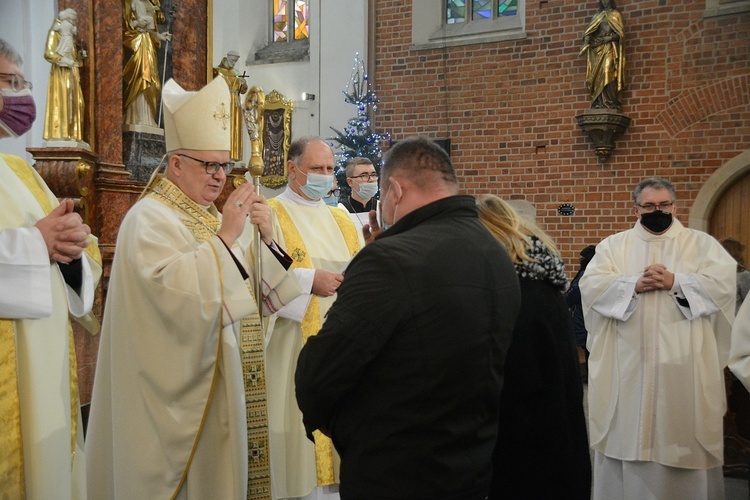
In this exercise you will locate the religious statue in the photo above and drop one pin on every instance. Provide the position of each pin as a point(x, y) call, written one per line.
point(254, 102)
point(63, 119)
point(141, 71)
point(605, 65)
point(237, 86)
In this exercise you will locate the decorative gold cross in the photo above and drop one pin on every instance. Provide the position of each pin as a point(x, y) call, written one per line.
point(257, 451)
point(222, 115)
point(298, 254)
point(253, 375)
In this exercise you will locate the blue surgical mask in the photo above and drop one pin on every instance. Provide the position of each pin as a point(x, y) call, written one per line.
point(367, 190)
point(381, 218)
point(331, 201)
point(317, 186)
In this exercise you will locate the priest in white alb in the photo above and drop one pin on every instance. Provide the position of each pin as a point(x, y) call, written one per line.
point(49, 268)
point(321, 240)
point(658, 301)
point(181, 341)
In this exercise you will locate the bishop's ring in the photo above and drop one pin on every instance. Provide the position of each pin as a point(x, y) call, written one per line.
point(238, 203)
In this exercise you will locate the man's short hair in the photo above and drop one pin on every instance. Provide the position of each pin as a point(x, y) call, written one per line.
point(297, 148)
point(11, 54)
point(352, 164)
point(655, 183)
point(420, 160)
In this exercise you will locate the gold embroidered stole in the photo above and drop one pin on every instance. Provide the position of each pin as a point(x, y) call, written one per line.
point(12, 480)
point(204, 225)
point(311, 322)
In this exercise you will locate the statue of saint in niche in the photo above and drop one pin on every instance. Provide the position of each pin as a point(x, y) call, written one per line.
point(141, 72)
point(63, 119)
point(605, 63)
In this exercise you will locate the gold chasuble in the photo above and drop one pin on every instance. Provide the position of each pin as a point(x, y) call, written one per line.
point(311, 323)
point(12, 476)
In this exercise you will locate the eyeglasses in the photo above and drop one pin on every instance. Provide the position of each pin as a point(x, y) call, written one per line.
point(650, 207)
point(16, 82)
point(212, 167)
point(373, 177)
point(333, 192)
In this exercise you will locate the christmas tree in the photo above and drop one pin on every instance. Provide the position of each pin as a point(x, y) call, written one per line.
point(358, 139)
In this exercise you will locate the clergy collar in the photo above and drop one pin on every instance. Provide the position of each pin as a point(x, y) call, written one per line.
point(297, 199)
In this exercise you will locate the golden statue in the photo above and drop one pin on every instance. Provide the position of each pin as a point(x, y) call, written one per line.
point(63, 119)
point(605, 65)
point(237, 86)
point(255, 100)
point(142, 70)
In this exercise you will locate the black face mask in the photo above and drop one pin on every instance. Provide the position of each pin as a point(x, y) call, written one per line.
point(656, 221)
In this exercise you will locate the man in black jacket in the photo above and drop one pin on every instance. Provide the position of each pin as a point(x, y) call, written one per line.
point(406, 372)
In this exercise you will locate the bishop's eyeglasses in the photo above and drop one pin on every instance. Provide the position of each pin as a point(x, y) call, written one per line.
point(650, 207)
point(212, 166)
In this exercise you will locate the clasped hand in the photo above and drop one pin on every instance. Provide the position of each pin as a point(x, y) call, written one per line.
point(240, 204)
point(655, 277)
point(64, 233)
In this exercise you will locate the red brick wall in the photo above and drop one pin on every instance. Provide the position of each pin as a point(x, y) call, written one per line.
point(509, 107)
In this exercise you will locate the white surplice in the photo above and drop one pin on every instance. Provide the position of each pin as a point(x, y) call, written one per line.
point(34, 294)
point(656, 385)
point(292, 453)
point(169, 295)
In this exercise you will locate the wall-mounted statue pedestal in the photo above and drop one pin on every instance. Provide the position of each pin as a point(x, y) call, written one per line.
point(603, 126)
point(69, 173)
point(142, 152)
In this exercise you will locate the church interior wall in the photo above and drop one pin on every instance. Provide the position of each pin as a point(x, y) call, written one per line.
point(509, 107)
point(338, 31)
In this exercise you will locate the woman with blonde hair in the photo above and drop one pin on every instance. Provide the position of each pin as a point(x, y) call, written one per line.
point(542, 447)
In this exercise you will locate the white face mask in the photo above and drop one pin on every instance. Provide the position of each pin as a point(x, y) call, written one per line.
point(367, 190)
point(381, 217)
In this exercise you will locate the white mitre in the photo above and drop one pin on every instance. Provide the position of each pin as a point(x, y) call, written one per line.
point(197, 120)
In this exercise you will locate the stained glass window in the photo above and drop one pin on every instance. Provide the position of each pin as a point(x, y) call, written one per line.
point(456, 10)
point(280, 23)
point(507, 8)
point(282, 15)
point(482, 9)
point(301, 13)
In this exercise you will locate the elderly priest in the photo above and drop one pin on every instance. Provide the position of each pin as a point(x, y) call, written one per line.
point(168, 416)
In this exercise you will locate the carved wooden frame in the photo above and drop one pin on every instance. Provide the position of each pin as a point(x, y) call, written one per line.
point(275, 138)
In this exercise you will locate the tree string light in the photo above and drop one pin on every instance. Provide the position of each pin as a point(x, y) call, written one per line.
point(358, 139)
